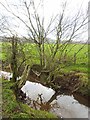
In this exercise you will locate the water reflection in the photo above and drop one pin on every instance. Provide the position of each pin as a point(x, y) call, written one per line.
point(68, 107)
point(40, 97)
point(32, 90)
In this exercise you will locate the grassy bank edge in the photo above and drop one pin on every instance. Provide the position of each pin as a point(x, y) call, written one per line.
point(13, 109)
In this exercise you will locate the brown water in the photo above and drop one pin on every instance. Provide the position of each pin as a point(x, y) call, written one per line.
point(66, 106)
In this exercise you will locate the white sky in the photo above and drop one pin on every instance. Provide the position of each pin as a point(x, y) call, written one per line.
point(51, 8)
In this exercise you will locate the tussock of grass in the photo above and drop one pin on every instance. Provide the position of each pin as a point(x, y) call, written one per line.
point(85, 84)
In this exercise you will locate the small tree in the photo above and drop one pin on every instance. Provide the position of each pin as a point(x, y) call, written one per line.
point(65, 29)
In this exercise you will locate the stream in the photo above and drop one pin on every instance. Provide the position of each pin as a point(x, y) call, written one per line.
point(40, 97)
point(64, 106)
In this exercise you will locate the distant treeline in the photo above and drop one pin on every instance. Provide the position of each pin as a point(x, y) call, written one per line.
point(28, 40)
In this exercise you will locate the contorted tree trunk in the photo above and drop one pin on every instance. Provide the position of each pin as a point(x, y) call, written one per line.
point(19, 83)
point(24, 76)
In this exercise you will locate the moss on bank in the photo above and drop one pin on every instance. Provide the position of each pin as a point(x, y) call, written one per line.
point(13, 109)
point(85, 84)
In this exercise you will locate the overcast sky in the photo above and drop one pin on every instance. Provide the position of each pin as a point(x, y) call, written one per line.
point(50, 8)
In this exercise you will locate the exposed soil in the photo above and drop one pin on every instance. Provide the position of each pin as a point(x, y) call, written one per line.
point(82, 99)
point(69, 82)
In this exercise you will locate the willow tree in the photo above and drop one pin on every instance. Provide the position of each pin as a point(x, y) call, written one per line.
point(64, 29)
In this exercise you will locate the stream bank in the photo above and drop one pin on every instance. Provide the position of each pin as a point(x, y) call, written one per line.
point(52, 104)
point(12, 109)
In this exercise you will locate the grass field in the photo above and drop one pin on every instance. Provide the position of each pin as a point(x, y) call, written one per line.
point(31, 50)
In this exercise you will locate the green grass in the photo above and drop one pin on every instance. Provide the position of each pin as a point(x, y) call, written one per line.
point(13, 109)
point(31, 50)
point(78, 67)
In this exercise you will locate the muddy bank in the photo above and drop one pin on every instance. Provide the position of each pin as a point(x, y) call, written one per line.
point(82, 99)
point(72, 82)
